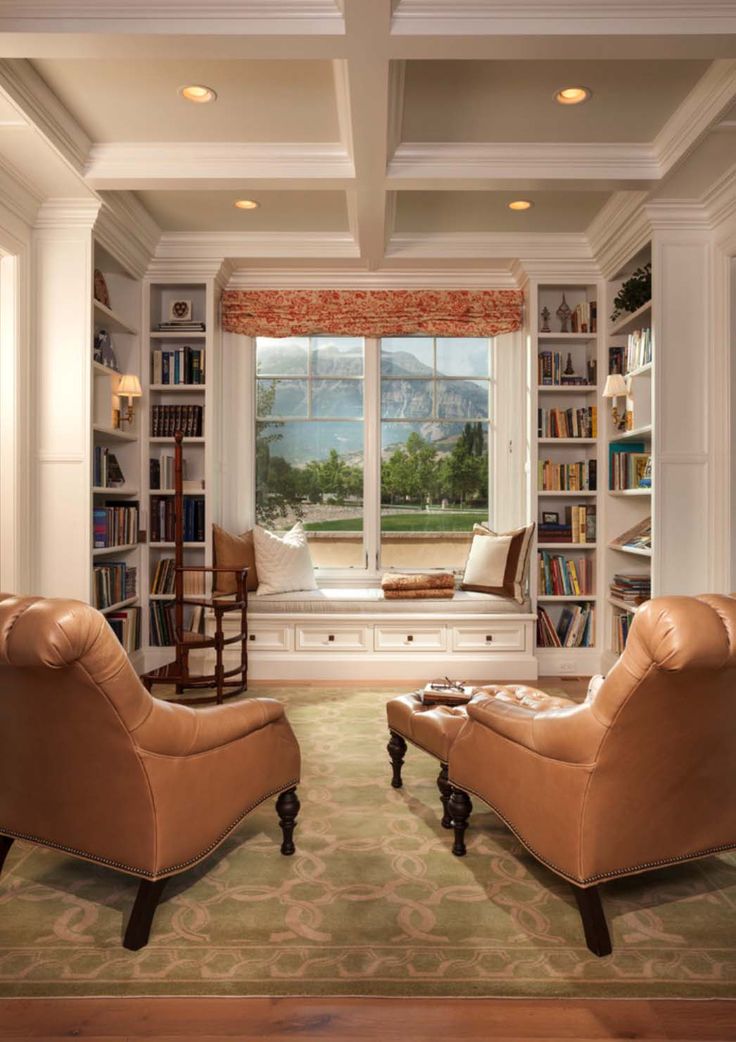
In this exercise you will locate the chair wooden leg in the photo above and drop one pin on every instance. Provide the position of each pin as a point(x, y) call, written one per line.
point(287, 808)
point(396, 750)
point(144, 909)
point(595, 927)
point(445, 792)
point(6, 843)
point(460, 809)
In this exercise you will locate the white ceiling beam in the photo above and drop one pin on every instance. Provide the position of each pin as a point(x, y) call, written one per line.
point(214, 164)
point(712, 95)
point(487, 245)
point(199, 246)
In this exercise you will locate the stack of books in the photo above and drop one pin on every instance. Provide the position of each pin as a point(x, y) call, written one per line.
point(564, 577)
point(181, 325)
point(567, 477)
point(551, 367)
point(638, 349)
point(166, 420)
point(629, 466)
point(163, 629)
point(584, 318)
point(106, 471)
point(163, 579)
point(568, 423)
point(183, 365)
point(163, 519)
point(621, 625)
point(113, 582)
point(631, 589)
point(126, 625)
point(115, 524)
point(575, 628)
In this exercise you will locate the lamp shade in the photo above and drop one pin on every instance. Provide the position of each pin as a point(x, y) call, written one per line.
point(129, 386)
point(615, 386)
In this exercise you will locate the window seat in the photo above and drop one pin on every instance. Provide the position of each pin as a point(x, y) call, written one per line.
point(371, 601)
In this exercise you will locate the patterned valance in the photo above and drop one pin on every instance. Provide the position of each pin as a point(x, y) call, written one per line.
point(378, 312)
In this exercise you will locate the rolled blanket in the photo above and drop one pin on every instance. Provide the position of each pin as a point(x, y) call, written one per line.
point(418, 581)
point(417, 595)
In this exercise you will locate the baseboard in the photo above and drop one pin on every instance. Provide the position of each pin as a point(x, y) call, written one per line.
point(336, 667)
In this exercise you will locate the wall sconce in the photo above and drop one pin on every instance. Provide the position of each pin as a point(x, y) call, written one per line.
point(616, 387)
point(129, 386)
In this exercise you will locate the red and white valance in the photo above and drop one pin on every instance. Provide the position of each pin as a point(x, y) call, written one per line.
point(455, 312)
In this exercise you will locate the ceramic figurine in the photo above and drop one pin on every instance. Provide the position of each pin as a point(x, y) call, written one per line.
point(545, 321)
point(563, 313)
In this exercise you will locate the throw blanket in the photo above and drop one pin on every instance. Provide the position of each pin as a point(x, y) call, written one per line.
point(418, 581)
point(408, 595)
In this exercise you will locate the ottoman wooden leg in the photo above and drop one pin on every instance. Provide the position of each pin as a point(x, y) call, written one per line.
point(445, 792)
point(460, 808)
point(396, 749)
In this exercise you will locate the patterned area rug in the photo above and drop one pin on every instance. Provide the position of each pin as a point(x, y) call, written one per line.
point(373, 903)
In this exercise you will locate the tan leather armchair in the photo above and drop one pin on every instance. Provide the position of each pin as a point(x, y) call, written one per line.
point(91, 764)
point(639, 776)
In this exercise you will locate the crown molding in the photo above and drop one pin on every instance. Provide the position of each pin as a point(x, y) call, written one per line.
point(535, 160)
point(63, 214)
point(40, 107)
point(201, 164)
point(568, 18)
point(493, 277)
point(618, 231)
point(486, 245)
point(125, 228)
point(199, 246)
point(678, 215)
point(720, 199)
point(711, 96)
point(396, 81)
point(185, 269)
point(259, 17)
point(551, 270)
point(17, 195)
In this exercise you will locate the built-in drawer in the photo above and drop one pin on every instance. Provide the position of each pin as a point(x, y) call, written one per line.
point(410, 637)
point(340, 637)
point(491, 636)
point(269, 636)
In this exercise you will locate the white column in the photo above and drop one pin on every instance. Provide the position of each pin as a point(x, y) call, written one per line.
point(62, 311)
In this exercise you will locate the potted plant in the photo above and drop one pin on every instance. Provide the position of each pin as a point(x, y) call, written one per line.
point(635, 292)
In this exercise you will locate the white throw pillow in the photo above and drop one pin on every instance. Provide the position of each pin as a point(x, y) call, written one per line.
point(283, 561)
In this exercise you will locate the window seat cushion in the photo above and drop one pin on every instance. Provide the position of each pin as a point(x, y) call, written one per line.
point(370, 600)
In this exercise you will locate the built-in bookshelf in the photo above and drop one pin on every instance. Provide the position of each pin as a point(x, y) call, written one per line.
point(115, 481)
point(630, 481)
point(179, 379)
point(565, 474)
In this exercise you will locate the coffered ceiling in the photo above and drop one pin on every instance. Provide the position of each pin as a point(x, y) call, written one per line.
point(373, 134)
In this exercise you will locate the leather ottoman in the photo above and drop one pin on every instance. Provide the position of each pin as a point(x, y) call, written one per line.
point(431, 728)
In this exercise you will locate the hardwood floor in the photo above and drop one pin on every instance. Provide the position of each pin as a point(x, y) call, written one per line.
point(360, 1020)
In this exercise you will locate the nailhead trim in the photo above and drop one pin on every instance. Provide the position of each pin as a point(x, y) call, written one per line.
point(588, 880)
point(141, 871)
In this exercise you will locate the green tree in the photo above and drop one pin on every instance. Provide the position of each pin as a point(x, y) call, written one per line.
point(278, 484)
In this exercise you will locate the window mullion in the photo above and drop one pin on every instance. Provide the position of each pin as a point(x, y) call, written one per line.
point(372, 455)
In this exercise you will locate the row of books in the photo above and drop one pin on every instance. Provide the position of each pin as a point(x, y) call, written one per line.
point(639, 537)
point(631, 588)
point(568, 423)
point(163, 520)
point(567, 477)
point(564, 577)
point(181, 325)
point(163, 623)
point(113, 582)
point(584, 317)
point(579, 525)
point(115, 524)
point(126, 625)
point(575, 627)
point(551, 366)
point(630, 467)
point(161, 475)
point(637, 353)
point(164, 575)
point(106, 471)
point(620, 630)
point(182, 365)
point(166, 420)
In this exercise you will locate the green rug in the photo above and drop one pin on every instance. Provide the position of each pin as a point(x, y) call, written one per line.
point(373, 903)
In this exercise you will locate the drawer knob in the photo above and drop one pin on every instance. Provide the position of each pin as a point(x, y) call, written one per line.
point(331, 636)
point(489, 638)
point(410, 637)
point(251, 636)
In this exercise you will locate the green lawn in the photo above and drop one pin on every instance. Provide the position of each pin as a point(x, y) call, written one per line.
point(406, 522)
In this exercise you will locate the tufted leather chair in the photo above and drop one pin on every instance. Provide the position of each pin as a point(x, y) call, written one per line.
point(640, 775)
point(91, 764)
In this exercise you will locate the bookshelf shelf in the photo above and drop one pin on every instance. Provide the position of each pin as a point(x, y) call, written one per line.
point(162, 335)
point(566, 389)
point(565, 494)
point(119, 606)
point(633, 321)
point(170, 546)
point(106, 318)
point(117, 490)
point(643, 370)
point(112, 433)
point(623, 606)
point(110, 551)
point(171, 492)
point(189, 388)
point(567, 441)
point(633, 550)
point(565, 337)
point(630, 492)
point(567, 546)
point(170, 441)
point(637, 432)
point(105, 370)
point(566, 599)
point(161, 596)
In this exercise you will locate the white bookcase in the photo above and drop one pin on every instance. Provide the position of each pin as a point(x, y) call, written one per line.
point(584, 349)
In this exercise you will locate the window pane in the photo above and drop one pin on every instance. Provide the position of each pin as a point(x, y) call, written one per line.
point(407, 399)
point(407, 356)
point(340, 399)
point(462, 356)
point(459, 399)
point(281, 398)
point(337, 356)
point(285, 356)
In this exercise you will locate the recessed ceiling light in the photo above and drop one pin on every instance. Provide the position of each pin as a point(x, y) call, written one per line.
point(572, 95)
point(247, 204)
point(198, 93)
point(520, 204)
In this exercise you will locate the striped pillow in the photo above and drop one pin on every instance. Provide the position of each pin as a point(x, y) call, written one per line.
point(498, 562)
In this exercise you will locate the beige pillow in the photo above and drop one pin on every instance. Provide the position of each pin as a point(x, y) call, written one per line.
point(284, 562)
point(234, 551)
point(498, 563)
